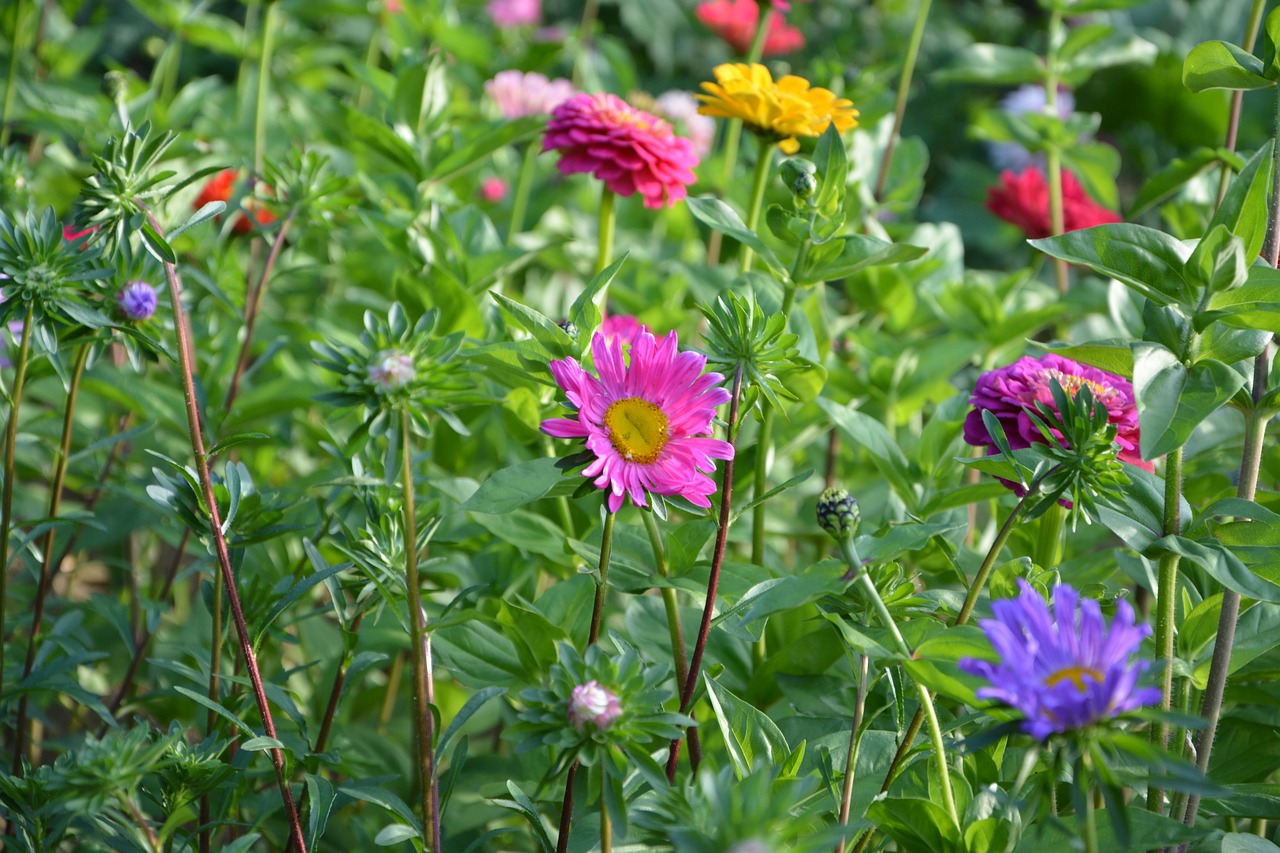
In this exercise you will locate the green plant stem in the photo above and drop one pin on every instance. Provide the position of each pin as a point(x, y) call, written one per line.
point(851, 757)
point(10, 451)
point(589, 11)
point(1166, 601)
point(423, 722)
point(260, 97)
point(597, 608)
point(1089, 819)
point(11, 81)
point(1237, 97)
point(253, 302)
point(608, 222)
point(1053, 157)
point(717, 563)
point(520, 197)
point(764, 159)
point(1049, 539)
point(668, 598)
point(222, 554)
point(763, 446)
point(372, 59)
point(606, 826)
point(211, 716)
point(904, 88)
point(50, 540)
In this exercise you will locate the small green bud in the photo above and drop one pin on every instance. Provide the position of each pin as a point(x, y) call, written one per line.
point(115, 85)
point(838, 514)
point(800, 176)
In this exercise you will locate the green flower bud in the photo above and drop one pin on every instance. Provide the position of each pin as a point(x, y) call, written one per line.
point(838, 514)
point(115, 85)
point(800, 176)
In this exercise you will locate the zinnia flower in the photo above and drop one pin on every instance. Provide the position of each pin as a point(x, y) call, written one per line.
point(778, 111)
point(591, 703)
point(515, 13)
point(1061, 672)
point(1027, 99)
point(631, 150)
point(1011, 392)
point(647, 423)
point(219, 188)
point(137, 301)
point(736, 21)
point(517, 94)
point(1023, 199)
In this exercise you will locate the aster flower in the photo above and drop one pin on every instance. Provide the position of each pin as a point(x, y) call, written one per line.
point(518, 94)
point(778, 111)
point(1029, 98)
point(736, 21)
point(515, 13)
point(220, 188)
point(631, 150)
point(621, 327)
point(1012, 393)
point(647, 423)
point(137, 301)
point(1062, 671)
point(1023, 199)
point(682, 109)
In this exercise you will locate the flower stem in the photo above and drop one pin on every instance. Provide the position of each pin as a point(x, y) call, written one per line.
point(222, 554)
point(668, 598)
point(608, 221)
point(764, 444)
point(904, 88)
point(423, 722)
point(10, 450)
point(606, 826)
point(717, 562)
point(1089, 820)
point(260, 96)
point(1237, 97)
point(50, 540)
point(1053, 157)
point(1049, 541)
point(251, 307)
point(1166, 601)
point(520, 198)
point(851, 757)
point(764, 159)
point(11, 81)
point(597, 608)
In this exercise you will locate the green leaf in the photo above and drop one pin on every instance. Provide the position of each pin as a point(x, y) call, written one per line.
point(261, 743)
point(553, 338)
point(1218, 262)
point(833, 170)
point(994, 63)
point(858, 252)
point(321, 794)
point(916, 824)
point(1173, 399)
point(1270, 38)
point(483, 141)
point(384, 141)
point(1091, 48)
point(1222, 566)
point(299, 589)
point(721, 217)
point(465, 713)
point(213, 706)
point(1244, 208)
point(1172, 176)
point(1148, 261)
point(1241, 842)
point(395, 834)
point(749, 734)
point(156, 245)
point(871, 435)
point(205, 213)
point(1218, 65)
point(1114, 358)
point(514, 486)
point(584, 313)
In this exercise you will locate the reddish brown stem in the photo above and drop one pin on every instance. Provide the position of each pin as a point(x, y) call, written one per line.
point(253, 300)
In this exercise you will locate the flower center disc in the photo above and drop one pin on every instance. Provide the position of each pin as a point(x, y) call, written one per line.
point(1076, 675)
point(637, 429)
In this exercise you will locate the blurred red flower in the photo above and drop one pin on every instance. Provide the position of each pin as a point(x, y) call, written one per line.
point(1023, 199)
point(736, 21)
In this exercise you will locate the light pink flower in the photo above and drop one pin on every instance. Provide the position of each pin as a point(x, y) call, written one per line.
point(682, 108)
point(515, 13)
point(648, 423)
point(493, 190)
point(517, 94)
point(631, 150)
point(591, 703)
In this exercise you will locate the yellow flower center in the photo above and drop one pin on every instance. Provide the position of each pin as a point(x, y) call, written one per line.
point(637, 428)
point(1076, 675)
point(1072, 384)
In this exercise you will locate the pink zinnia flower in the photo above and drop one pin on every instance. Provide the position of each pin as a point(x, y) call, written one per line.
point(621, 327)
point(736, 21)
point(682, 108)
point(517, 94)
point(1011, 392)
point(493, 190)
point(648, 423)
point(1023, 199)
point(630, 150)
point(515, 13)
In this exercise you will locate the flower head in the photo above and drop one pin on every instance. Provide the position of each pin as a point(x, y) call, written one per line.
point(838, 514)
point(1062, 672)
point(1011, 393)
point(219, 188)
point(647, 423)
point(517, 94)
point(391, 370)
point(1023, 199)
point(781, 110)
point(591, 703)
point(621, 327)
point(515, 13)
point(493, 189)
point(1029, 98)
point(137, 301)
point(632, 151)
point(736, 21)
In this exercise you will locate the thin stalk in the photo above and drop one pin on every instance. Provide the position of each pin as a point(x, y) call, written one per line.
point(422, 719)
point(1049, 538)
point(589, 12)
point(764, 443)
point(372, 59)
point(566, 810)
point(597, 607)
point(11, 81)
point(717, 562)
point(851, 757)
point(335, 691)
point(1166, 601)
point(1237, 97)
point(260, 95)
point(608, 222)
point(764, 159)
point(10, 450)
point(50, 540)
point(389, 697)
point(668, 598)
point(1053, 157)
point(254, 300)
point(213, 693)
point(223, 556)
point(520, 197)
point(1089, 819)
point(904, 88)
point(606, 826)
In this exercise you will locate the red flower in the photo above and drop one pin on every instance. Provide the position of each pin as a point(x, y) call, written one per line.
point(219, 188)
point(736, 21)
point(70, 234)
point(1023, 199)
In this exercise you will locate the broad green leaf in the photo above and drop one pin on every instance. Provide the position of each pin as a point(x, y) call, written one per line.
point(514, 486)
point(1148, 261)
point(833, 170)
point(721, 217)
point(1172, 176)
point(1222, 566)
point(1218, 262)
point(1103, 48)
point(871, 435)
point(994, 63)
point(483, 141)
point(858, 252)
point(1112, 357)
point(1243, 842)
point(749, 734)
point(916, 824)
point(1218, 65)
point(553, 338)
point(1244, 208)
point(584, 313)
point(1270, 39)
point(1173, 399)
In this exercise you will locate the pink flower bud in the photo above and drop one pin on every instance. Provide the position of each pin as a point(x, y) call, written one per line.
point(591, 703)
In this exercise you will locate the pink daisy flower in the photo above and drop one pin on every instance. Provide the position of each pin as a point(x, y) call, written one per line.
point(648, 423)
point(517, 94)
point(631, 150)
point(515, 13)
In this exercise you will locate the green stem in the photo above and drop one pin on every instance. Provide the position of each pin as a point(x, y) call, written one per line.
point(764, 159)
point(851, 757)
point(10, 451)
point(1089, 819)
point(597, 608)
point(763, 447)
point(372, 59)
point(11, 82)
point(520, 198)
point(668, 598)
point(1237, 97)
point(1049, 541)
point(589, 11)
point(1053, 157)
point(606, 826)
point(260, 98)
point(608, 222)
point(904, 88)
point(1166, 601)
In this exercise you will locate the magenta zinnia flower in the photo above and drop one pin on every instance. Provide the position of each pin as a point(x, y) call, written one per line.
point(1011, 392)
point(518, 94)
point(648, 423)
point(631, 150)
point(1062, 674)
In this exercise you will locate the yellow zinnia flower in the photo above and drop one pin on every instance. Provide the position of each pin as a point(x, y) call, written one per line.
point(777, 111)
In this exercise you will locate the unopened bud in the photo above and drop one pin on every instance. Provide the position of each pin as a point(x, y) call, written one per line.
point(838, 514)
point(137, 301)
point(391, 370)
point(800, 175)
point(115, 85)
point(591, 703)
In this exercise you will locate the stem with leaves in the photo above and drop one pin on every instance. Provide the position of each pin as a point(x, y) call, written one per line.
point(1166, 602)
point(904, 88)
point(851, 757)
point(1053, 157)
point(608, 223)
point(10, 448)
point(760, 177)
point(1237, 97)
point(520, 197)
point(668, 598)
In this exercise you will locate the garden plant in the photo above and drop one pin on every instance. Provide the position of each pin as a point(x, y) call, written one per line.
point(711, 426)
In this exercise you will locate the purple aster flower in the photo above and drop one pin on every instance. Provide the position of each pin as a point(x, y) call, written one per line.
point(137, 301)
point(591, 703)
point(1061, 672)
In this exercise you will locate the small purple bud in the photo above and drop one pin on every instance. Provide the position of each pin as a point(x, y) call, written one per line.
point(591, 703)
point(137, 301)
point(391, 370)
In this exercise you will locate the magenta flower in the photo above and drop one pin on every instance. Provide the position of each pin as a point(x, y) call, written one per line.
point(630, 150)
point(1011, 392)
point(493, 189)
point(517, 94)
point(1061, 672)
point(591, 703)
point(515, 13)
point(621, 327)
point(648, 423)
